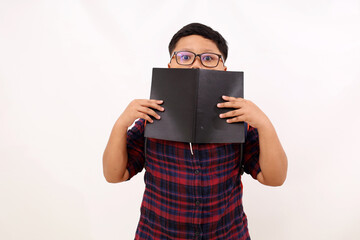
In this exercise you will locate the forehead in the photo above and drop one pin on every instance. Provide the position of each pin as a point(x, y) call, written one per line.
point(197, 44)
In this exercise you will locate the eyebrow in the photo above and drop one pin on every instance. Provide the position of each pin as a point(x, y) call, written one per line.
point(204, 50)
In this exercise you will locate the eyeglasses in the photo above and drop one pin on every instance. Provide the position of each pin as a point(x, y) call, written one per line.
point(187, 58)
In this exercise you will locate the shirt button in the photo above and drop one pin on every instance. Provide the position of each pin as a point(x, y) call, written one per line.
point(197, 172)
point(197, 203)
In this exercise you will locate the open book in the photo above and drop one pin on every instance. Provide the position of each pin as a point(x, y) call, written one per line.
point(190, 97)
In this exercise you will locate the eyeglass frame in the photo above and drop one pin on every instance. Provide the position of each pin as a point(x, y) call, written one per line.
point(176, 52)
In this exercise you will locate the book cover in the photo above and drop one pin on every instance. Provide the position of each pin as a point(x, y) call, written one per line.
point(190, 97)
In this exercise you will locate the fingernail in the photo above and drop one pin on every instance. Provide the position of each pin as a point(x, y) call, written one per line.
point(221, 115)
point(162, 109)
point(219, 105)
point(158, 117)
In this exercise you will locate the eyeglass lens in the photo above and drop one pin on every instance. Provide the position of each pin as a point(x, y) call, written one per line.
point(207, 59)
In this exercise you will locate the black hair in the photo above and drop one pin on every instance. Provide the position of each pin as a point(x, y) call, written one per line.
point(204, 31)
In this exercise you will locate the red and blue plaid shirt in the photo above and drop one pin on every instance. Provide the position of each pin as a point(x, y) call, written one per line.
point(191, 196)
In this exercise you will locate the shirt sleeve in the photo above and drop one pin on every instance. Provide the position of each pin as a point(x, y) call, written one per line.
point(251, 153)
point(135, 148)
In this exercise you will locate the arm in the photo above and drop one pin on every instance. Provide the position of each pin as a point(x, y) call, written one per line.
point(272, 159)
point(115, 156)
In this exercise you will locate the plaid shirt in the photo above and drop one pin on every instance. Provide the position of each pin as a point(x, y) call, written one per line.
point(189, 196)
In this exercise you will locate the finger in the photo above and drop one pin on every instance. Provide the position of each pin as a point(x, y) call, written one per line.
point(230, 105)
point(156, 101)
point(153, 104)
point(146, 117)
point(145, 101)
point(234, 113)
point(228, 98)
point(149, 111)
point(236, 119)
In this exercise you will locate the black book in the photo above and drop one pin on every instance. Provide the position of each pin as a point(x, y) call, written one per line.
point(190, 97)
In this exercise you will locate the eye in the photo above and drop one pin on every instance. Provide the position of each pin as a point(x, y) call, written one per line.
point(185, 57)
point(207, 58)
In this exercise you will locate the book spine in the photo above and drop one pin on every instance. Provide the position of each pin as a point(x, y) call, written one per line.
point(197, 82)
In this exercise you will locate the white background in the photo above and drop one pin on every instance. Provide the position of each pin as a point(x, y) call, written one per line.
point(69, 68)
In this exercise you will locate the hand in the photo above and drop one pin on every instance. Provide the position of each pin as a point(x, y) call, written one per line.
point(245, 111)
point(140, 108)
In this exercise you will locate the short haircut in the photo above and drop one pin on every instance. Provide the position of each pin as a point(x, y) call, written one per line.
point(204, 31)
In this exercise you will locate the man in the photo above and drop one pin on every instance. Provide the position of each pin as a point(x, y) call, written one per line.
point(194, 193)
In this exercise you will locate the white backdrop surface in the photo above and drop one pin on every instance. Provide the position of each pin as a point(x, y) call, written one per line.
point(69, 68)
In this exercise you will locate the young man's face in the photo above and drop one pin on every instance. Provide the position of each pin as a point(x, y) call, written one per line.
point(196, 44)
